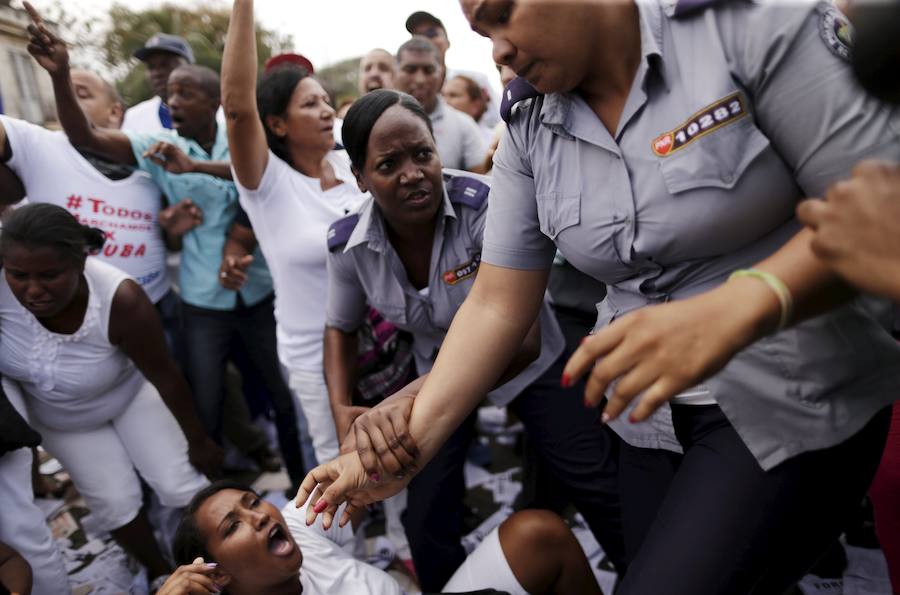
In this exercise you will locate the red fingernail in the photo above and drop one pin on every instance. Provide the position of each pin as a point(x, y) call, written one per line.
point(320, 506)
point(565, 381)
point(588, 404)
point(375, 477)
point(632, 419)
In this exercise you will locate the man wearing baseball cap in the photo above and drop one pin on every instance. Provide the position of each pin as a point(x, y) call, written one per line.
point(161, 54)
point(427, 25)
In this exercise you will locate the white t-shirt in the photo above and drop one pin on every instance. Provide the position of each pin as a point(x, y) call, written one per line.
point(327, 567)
point(52, 171)
point(144, 117)
point(291, 215)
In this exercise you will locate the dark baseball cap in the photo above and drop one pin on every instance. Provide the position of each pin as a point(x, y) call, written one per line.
point(421, 17)
point(163, 42)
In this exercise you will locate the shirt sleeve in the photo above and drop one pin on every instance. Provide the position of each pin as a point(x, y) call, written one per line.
point(23, 138)
point(512, 234)
point(345, 307)
point(140, 142)
point(271, 182)
point(474, 149)
point(805, 97)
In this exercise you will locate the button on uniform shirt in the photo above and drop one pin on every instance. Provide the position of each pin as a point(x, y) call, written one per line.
point(458, 139)
point(201, 253)
point(368, 270)
point(736, 114)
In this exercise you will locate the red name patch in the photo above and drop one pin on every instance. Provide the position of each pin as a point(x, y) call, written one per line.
point(710, 118)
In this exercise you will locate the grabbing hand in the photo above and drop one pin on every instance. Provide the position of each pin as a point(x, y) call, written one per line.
point(857, 228)
point(207, 457)
point(180, 218)
point(381, 438)
point(47, 49)
point(666, 349)
point(233, 271)
point(196, 578)
point(169, 157)
point(344, 416)
point(339, 481)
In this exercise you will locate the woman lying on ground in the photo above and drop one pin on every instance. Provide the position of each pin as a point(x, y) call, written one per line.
point(232, 541)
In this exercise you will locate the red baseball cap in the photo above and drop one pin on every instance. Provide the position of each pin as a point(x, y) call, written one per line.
point(296, 59)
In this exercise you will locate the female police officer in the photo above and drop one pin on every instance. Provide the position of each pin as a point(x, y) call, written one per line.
point(664, 155)
point(412, 253)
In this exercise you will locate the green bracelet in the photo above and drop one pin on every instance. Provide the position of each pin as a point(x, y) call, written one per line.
point(778, 286)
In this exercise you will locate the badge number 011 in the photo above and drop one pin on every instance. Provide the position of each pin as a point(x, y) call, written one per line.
point(710, 118)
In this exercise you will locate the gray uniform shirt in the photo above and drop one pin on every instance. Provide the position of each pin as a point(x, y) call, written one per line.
point(736, 114)
point(365, 268)
point(458, 139)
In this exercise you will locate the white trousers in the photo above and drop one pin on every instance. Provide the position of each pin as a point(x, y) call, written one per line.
point(310, 390)
point(486, 568)
point(102, 460)
point(22, 524)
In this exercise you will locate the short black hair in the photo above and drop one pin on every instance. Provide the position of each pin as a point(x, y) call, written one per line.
point(363, 114)
point(419, 44)
point(44, 224)
point(189, 542)
point(273, 96)
point(206, 79)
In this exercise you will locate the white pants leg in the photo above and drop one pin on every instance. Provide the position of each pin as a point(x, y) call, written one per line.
point(102, 461)
point(311, 392)
point(486, 568)
point(22, 524)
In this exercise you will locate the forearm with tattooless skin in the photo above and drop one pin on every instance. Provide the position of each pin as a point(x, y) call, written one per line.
point(487, 331)
point(217, 169)
point(246, 136)
point(340, 357)
point(814, 287)
point(15, 572)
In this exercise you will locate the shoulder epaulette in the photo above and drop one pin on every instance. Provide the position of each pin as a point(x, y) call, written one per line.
point(467, 191)
point(340, 230)
point(517, 90)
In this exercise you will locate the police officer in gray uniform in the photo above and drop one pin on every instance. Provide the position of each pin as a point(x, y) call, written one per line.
point(663, 151)
point(412, 253)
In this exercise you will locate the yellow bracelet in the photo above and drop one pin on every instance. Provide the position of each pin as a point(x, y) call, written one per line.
point(778, 286)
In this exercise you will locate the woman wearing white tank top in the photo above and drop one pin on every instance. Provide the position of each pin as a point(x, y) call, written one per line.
point(86, 346)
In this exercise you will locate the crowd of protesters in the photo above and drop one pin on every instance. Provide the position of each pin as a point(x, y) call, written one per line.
point(619, 250)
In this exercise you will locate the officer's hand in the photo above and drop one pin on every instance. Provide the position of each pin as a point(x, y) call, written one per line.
point(169, 157)
point(180, 218)
point(857, 228)
point(195, 578)
point(47, 49)
point(344, 417)
point(233, 272)
point(382, 438)
point(339, 481)
point(660, 351)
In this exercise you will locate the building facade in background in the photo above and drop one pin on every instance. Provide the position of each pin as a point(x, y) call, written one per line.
point(25, 89)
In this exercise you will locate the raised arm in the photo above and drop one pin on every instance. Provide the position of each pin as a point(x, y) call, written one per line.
point(136, 329)
point(246, 136)
point(50, 52)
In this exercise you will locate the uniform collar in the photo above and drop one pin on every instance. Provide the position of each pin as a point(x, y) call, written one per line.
point(556, 107)
point(372, 231)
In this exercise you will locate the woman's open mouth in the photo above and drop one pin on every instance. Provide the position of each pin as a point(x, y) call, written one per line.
point(280, 543)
